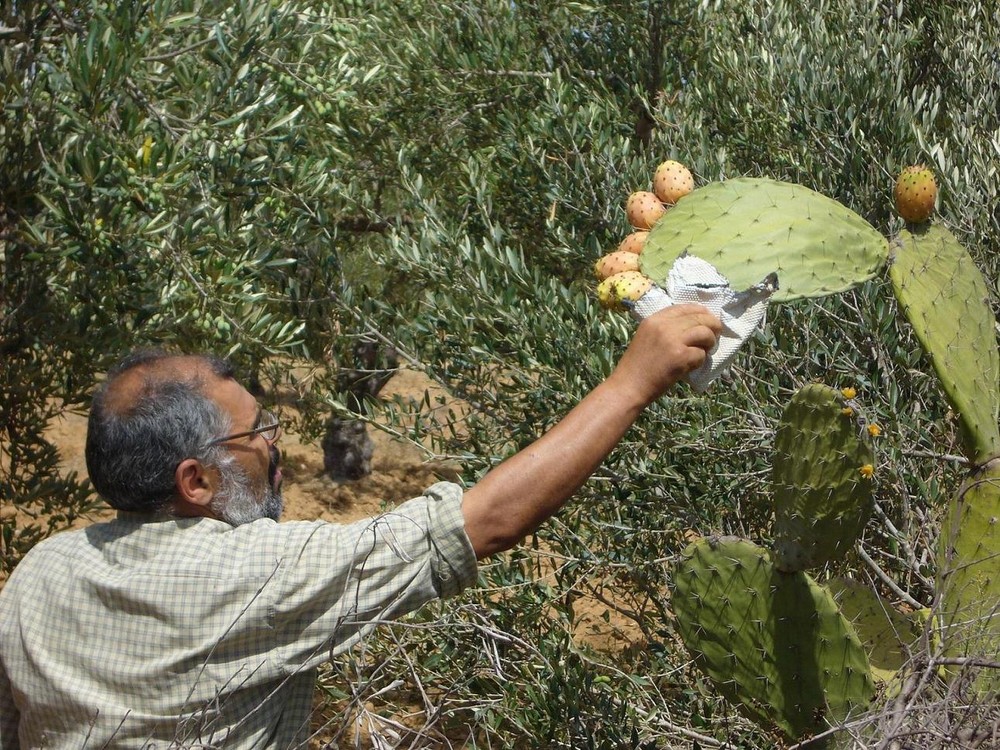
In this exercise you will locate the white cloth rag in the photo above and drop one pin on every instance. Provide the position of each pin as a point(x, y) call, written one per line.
point(693, 280)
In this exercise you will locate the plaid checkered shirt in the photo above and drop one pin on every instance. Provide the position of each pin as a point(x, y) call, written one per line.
point(179, 632)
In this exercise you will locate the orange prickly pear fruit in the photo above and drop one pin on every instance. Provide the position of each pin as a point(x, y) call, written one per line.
point(672, 181)
point(644, 209)
point(626, 286)
point(915, 193)
point(634, 242)
point(617, 262)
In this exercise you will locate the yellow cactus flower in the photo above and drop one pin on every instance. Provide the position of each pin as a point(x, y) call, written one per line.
point(848, 392)
point(847, 411)
point(867, 471)
point(874, 430)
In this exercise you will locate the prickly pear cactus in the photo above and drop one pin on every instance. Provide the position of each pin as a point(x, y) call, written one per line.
point(969, 577)
point(887, 634)
point(821, 476)
point(772, 642)
point(749, 227)
point(944, 297)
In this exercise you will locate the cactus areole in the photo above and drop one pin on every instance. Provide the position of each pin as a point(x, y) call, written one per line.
point(750, 227)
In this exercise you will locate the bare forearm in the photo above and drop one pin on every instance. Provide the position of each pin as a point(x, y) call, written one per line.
point(514, 498)
point(517, 496)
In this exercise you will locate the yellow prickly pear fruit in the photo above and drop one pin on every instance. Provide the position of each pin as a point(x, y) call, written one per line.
point(617, 262)
point(644, 209)
point(915, 193)
point(606, 294)
point(626, 286)
point(672, 181)
point(634, 242)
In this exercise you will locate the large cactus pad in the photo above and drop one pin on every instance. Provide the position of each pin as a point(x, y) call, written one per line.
point(970, 567)
point(749, 227)
point(773, 643)
point(822, 490)
point(944, 296)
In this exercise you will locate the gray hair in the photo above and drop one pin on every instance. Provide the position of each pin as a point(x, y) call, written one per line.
point(238, 500)
point(133, 452)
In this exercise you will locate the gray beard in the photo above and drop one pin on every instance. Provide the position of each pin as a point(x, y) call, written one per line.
point(238, 502)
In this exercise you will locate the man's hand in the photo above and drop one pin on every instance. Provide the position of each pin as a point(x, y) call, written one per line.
point(513, 499)
point(667, 346)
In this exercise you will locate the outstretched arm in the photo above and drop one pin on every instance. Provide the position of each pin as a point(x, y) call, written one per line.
point(513, 499)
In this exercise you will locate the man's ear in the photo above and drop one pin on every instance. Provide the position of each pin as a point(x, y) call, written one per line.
point(193, 482)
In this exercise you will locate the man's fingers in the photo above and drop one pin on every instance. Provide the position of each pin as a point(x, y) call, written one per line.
point(702, 316)
point(692, 315)
point(702, 336)
point(698, 357)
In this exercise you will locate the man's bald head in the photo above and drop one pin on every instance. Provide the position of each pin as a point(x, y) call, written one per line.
point(150, 414)
point(141, 373)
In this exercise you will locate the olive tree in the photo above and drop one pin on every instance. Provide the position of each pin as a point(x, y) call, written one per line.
point(279, 181)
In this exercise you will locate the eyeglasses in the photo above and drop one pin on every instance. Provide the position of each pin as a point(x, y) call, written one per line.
point(270, 430)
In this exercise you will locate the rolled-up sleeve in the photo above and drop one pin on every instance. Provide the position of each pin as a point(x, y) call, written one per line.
point(337, 582)
point(454, 562)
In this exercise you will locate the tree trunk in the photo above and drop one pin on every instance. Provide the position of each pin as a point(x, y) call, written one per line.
point(347, 446)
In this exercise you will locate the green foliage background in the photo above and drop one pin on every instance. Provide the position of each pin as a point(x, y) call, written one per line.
point(270, 179)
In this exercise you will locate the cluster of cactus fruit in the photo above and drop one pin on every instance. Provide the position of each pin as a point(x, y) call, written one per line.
point(796, 655)
point(619, 273)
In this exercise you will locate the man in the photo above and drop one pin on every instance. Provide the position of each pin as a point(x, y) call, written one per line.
point(195, 619)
